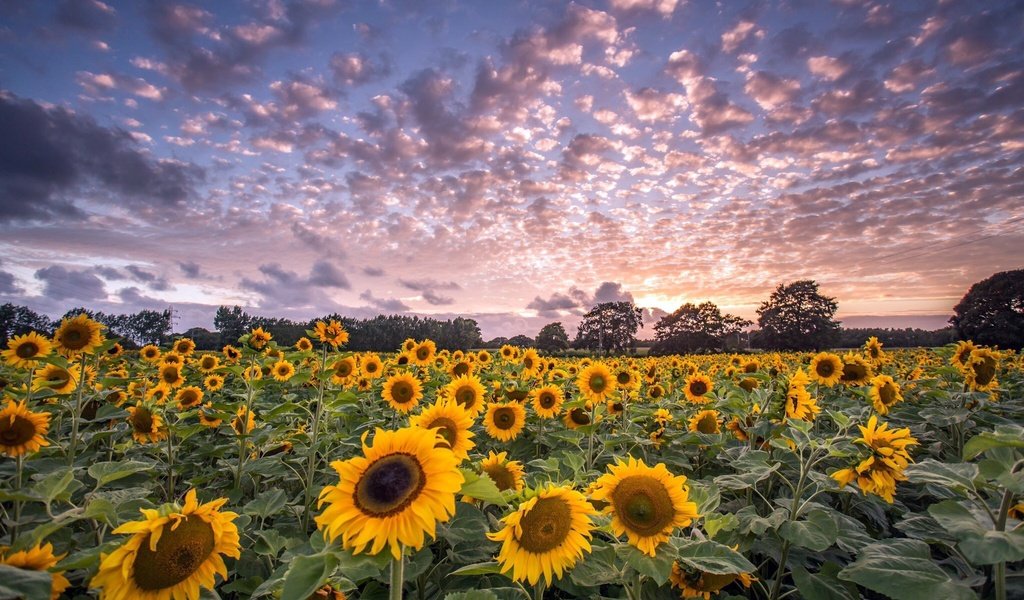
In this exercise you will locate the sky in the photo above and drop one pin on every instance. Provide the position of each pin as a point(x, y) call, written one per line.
point(514, 162)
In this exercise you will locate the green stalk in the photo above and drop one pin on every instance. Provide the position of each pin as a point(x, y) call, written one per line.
point(540, 435)
point(20, 462)
point(593, 430)
point(77, 410)
point(538, 590)
point(999, 573)
point(397, 578)
point(793, 514)
point(245, 430)
point(314, 440)
point(170, 459)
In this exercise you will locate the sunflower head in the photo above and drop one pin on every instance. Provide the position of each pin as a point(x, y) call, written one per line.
point(147, 426)
point(697, 387)
point(184, 346)
point(208, 363)
point(258, 338)
point(189, 397)
point(402, 391)
point(826, 369)
point(303, 345)
point(78, 335)
point(21, 430)
point(282, 370)
point(706, 422)
point(856, 370)
point(23, 350)
point(504, 421)
point(332, 333)
point(57, 378)
point(38, 558)
point(231, 354)
point(576, 418)
point(452, 424)
point(468, 392)
point(547, 401)
point(596, 382)
point(506, 474)
point(370, 366)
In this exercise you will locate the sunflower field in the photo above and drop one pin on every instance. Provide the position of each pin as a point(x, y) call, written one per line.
point(263, 471)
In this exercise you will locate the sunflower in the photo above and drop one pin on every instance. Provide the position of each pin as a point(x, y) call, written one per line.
point(189, 397)
point(158, 394)
point(452, 422)
point(504, 421)
point(244, 421)
point(282, 370)
point(22, 350)
point(706, 421)
point(531, 363)
point(208, 416)
point(184, 346)
point(78, 334)
point(147, 426)
point(856, 370)
point(576, 418)
point(56, 378)
point(697, 387)
point(483, 357)
point(208, 363)
point(627, 378)
point(506, 474)
point(332, 333)
point(37, 558)
point(402, 391)
point(980, 373)
point(646, 503)
point(231, 354)
point(21, 430)
point(546, 535)
point(662, 416)
point(826, 368)
point(115, 350)
point(172, 553)
point(878, 473)
point(408, 345)
point(508, 352)
point(460, 368)
point(213, 382)
point(962, 354)
point(150, 353)
point(655, 392)
point(799, 404)
point(873, 348)
point(252, 373)
point(170, 375)
point(547, 401)
point(595, 382)
point(370, 366)
point(423, 354)
point(399, 490)
point(884, 393)
point(343, 370)
point(468, 392)
point(701, 584)
point(258, 338)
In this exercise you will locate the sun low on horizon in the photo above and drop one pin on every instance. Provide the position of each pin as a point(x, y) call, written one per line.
point(513, 162)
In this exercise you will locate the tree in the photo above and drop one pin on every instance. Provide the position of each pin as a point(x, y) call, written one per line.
point(19, 320)
point(797, 317)
point(552, 338)
point(992, 311)
point(694, 327)
point(148, 326)
point(610, 326)
point(522, 341)
point(232, 323)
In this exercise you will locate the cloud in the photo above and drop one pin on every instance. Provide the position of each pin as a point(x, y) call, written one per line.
point(8, 284)
point(86, 15)
point(190, 269)
point(577, 301)
point(353, 69)
point(65, 284)
point(288, 289)
point(428, 290)
point(325, 274)
point(154, 282)
point(373, 271)
point(391, 305)
point(60, 153)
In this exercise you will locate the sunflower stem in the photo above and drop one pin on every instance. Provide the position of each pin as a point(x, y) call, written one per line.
point(20, 464)
point(540, 436)
point(314, 440)
point(538, 590)
point(170, 459)
point(244, 426)
point(76, 411)
point(397, 576)
point(593, 430)
point(999, 572)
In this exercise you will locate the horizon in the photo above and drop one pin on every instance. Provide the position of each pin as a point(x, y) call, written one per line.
point(512, 163)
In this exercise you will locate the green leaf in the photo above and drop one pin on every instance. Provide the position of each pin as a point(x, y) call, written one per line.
point(55, 486)
point(597, 568)
point(715, 522)
point(707, 497)
point(359, 567)
point(960, 476)
point(481, 487)
point(903, 570)
point(306, 574)
point(484, 568)
point(657, 568)
point(712, 557)
point(266, 504)
point(979, 544)
point(823, 585)
point(751, 467)
point(1004, 436)
point(106, 472)
point(818, 532)
point(24, 583)
point(472, 595)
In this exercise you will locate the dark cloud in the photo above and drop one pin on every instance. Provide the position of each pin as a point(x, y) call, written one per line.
point(325, 274)
point(8, 284)
point(190, 269)
point(576, 301)
point(65, 284)
point(391, 305)
point(86, 15)
point(373, 271)
point(54, 152)
point(153, 281)
point(288, 289)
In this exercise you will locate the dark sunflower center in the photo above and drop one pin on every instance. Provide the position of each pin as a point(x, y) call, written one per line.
point(854, 372)
point(623, 378)
point(579, 416)
point(27, 350)
point(825, 368)
point(402, 392)
point(985, 371)
point(74, 337)
point(179, 553)
point(58, 377)
point(750, 368)
point(643, 504)
point(656, 392)
point(501, 476)
point(169, 374)
point(873, 351)
point(546, 400)
point(208, 363)
point(528, 363)
point(344, 369)
point(17, 431)
point(422, 353)
point(887, 393)
point(504, 418)
point(598, 383)
point(546, 526)
point(466, 396)
point(698, 388)
point(403, 360)
point(142, 420)
point(389, 485)
point(371, 367)
point(189, 398)
point(707, 424)
point(461, 369)
point(150, 353)
point(446, 428)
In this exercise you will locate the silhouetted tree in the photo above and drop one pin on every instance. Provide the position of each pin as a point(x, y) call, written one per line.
point(992, 311)
point(797, 317)
point(552, 338)
point(694, 327)
point(610, 326)
point(231, 323)
point(19, 320)
point(522, 341)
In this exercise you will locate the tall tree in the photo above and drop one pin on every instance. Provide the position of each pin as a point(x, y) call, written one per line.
point(992, 311)
point(232, 323)
point(19, 320)
point(695, 327)
point(552, 338)
point(797, 317)
point(610, 326)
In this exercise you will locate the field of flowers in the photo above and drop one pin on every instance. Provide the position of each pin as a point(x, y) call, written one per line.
point(312, 472)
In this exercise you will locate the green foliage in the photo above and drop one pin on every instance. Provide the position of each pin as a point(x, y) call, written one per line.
point(992, 311)
point(797, 317)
